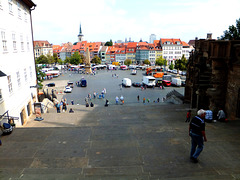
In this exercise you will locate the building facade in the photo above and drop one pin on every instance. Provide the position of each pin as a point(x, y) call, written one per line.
point(17, 66)
point(42, 48)
point(213, 77)
point(171, 49)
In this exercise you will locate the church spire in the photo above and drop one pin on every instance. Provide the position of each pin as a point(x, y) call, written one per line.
point(80, 35)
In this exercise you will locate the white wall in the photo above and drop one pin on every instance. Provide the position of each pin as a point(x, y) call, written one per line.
point(15, 60)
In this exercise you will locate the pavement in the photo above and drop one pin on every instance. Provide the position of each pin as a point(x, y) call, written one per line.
point(119, 142)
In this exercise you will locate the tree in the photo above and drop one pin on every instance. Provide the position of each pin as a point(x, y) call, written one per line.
point(181, 63)
point(146, 61)
point(67, 60)
point(50, 59)
point(75, 58)
point(55, 57)
point(42, 60)
point(171, 66)
point(40, 76)
point(160, 61)
point(60, 61)
point(109, 43)
point(128, 62)
point(96, 60)
point(233, 33)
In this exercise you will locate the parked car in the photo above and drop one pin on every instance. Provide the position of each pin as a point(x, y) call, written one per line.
point(83, 83)
point(136, 84)
point(166, 83)
point(50, 84)
point(68, 89)
point(70, 84)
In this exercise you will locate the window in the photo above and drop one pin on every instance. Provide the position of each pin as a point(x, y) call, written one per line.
point(4, 41)
point(25, 74)
point(18, 79)
point(25, 14)
point(22, 43)
point(9, 83)
point(19, 9)
point(30, 70)
point(14, 41)
point(10, 4)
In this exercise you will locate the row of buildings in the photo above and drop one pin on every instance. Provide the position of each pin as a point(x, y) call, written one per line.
point(169, 49)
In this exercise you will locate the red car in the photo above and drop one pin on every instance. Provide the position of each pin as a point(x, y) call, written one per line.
point(166, 83)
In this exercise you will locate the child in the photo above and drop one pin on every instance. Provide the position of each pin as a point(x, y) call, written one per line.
point(188, 116)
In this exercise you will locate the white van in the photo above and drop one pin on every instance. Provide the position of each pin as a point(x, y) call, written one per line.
point(150, 81)
point(126, 82)
point(176, 82)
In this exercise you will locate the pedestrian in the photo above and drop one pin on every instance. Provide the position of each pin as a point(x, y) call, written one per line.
point(58, 107)
point(94, 94)
point(158, 100)
point(148, 100)
point(221, 115)
point(208, 116)
point(72, 102)
point(106, 103)
point(188, 116)
point(121, 98)
point(197, 133)
point(138, 98)
point(144, 100)
point(91, 104)
point(117, 99)
point(71, 110)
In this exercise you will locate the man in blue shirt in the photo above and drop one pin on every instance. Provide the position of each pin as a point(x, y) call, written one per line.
point(197, 133)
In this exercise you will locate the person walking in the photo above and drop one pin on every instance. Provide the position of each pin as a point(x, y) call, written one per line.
point(138, 98)
point(117, 99)
point(197, 133)
point(144, 100)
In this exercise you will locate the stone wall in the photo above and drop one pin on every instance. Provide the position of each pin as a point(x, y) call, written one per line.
point(213, 77)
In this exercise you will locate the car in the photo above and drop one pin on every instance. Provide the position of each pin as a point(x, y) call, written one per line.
point(50, 84)
point(166, 83)
point(70, 84)
point(136, 84)
point(68, 89)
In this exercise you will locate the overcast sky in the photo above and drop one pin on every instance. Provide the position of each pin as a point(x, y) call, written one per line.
point(102, 20)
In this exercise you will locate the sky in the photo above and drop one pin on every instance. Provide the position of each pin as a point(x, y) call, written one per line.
point(102, 20)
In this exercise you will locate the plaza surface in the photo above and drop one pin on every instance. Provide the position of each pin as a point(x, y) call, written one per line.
point(120, 142)
point(108, 80)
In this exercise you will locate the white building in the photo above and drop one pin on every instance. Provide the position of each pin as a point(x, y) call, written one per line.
point(17, 66)
point(42, 48)
point(171, 49)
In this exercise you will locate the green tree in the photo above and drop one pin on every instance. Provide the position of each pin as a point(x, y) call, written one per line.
point(171, 66)
point(160, 61)
point(96, 60)
point(128, 62)
point(82, 58)
point(42, 60)
point(146, 61)
point(50, 59)
point(233, 33)
point(60, 61)
point(109, 43)
point(40, 76)
point(75, 58)
point(55, 57)
point(67, 60)
point(181, 63)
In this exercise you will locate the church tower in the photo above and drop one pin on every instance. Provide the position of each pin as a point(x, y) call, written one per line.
point(80, 35)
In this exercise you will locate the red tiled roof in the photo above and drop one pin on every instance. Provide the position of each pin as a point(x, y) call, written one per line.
point(41, 43)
